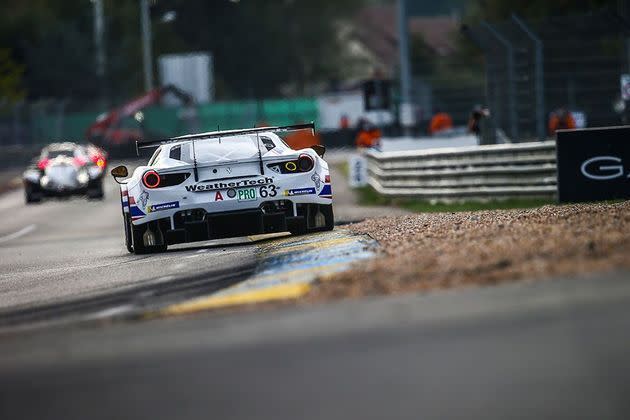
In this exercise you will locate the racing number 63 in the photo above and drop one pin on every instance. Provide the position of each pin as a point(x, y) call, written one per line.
point(268, 191)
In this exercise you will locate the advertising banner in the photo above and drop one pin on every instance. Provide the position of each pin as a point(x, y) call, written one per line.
point(593, 164)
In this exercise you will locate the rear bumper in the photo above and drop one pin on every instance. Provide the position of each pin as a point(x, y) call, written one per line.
point(230, 224)
point(36, 188)
point(197, 225)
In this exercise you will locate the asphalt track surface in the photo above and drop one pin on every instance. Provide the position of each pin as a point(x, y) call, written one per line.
point(550, 349)
point(72, 250)
point(555, 349)
point(63, 250)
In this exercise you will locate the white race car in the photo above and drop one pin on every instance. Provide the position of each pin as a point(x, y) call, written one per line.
point(224, 184)
point(65, 169)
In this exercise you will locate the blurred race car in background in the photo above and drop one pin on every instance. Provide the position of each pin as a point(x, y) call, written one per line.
point(224, 184)
point(66, 169)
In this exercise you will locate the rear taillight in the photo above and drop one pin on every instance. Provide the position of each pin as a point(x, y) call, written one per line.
point(151, 179)
point(98, 161)
point(305, 163)
point(43, 163)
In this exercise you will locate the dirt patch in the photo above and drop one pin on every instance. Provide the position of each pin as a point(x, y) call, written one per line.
point(442, 250)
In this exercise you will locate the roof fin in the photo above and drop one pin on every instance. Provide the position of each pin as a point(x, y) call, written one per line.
point(195, 161)
point(260, 159)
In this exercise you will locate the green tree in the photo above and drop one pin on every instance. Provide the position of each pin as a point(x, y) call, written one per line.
point(11, 90)
point(260, 46)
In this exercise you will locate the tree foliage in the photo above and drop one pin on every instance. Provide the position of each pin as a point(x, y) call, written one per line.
point(258, 47)
point(11, 90)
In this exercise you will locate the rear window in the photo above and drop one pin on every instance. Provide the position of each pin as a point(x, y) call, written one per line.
point(55, 153)
point(155, 156)
point(176, 152)
point(268, 143)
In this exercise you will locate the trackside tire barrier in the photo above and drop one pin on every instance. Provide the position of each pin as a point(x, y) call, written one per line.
point(466, 173)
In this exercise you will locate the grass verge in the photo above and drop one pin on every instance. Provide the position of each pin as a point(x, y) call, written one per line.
point(369, 197)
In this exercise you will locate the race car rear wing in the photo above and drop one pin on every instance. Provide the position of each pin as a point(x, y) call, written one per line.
point(226, 133)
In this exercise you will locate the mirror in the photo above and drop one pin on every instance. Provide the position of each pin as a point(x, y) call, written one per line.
point(319, 149)
point(120, 172)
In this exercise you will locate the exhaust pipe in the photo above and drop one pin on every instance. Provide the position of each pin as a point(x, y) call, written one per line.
point(320, 219)
point(151, 238)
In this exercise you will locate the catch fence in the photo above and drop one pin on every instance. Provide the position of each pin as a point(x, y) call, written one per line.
point(536, 67)
point(46, 121)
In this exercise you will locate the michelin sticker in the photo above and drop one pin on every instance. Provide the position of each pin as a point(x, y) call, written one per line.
point(300, 191)
point(164, 206)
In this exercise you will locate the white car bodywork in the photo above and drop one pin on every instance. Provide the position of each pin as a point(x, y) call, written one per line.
point(224, 176)
point(64, 169)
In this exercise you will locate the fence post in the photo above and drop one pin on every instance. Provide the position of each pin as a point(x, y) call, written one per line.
point(539, 75)
point(511, 79)
point(405, 71)
point(489, 134)
point(496, 111)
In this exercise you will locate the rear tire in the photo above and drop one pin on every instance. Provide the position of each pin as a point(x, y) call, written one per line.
point(330, 217)
point(96, 192)
point(30, 197)
point(128, 234)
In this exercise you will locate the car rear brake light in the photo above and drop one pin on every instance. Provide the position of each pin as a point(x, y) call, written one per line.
point(98, 161)
point(305, 163)
point(151, 179)
point(43, 163)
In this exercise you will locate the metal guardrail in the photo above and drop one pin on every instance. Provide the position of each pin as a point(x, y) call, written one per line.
point(466, 173)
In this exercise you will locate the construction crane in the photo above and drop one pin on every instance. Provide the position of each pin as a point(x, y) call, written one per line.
point(107, 130)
